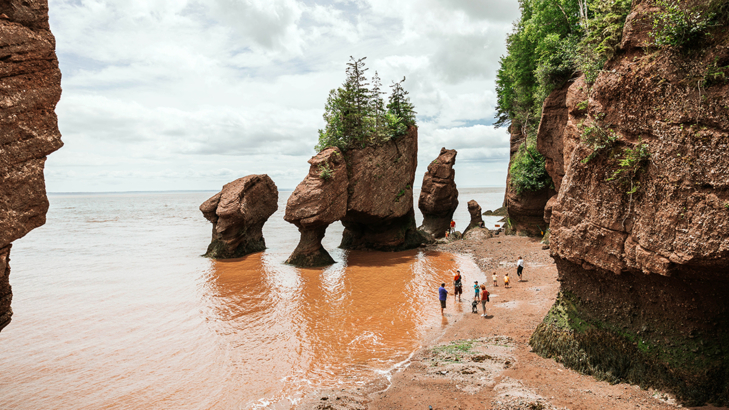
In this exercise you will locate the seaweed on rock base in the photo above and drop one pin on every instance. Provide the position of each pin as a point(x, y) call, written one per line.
point(691, 367)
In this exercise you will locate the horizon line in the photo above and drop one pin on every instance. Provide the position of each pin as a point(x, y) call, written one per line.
point(202, 190)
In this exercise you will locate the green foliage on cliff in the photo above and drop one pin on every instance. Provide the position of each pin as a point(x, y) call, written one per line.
point(356, 115)
point(631, 163)
point(683, 24)
point(527, 172)
point(553, 40)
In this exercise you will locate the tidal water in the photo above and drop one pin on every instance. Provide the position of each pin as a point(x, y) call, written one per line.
point(115, 309)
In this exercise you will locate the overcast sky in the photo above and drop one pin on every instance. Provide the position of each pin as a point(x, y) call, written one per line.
point(191, 94)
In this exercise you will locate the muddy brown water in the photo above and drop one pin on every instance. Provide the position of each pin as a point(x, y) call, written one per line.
point(115, 309)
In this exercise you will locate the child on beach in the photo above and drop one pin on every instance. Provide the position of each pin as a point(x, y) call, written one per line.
point(495, 278)
point(476, 289)
point(506, 280)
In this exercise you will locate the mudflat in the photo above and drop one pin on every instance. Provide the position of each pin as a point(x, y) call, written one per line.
point(486, 363)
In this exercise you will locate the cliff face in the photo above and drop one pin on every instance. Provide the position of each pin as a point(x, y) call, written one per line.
point(526, 209)
point(380, 212)
point(30, 87)
point(640, 230)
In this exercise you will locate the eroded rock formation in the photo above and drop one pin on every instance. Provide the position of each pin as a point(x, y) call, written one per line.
point(526, 209)
point(238, 213)
point(380, 212)
point(318, 201)
point(476, 220)
point(31, 86)
point(439, 195)
point(643, 258)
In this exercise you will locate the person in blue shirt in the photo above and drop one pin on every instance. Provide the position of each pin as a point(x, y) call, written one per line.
point(442, 295)
point(476, 289)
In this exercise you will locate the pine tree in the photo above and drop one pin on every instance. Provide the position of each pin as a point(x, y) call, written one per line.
point(357, 116)
point(377, 108)
point(356, 101)
point(400, 112)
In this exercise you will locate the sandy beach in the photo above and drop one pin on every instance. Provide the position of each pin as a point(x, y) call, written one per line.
point(478, 362)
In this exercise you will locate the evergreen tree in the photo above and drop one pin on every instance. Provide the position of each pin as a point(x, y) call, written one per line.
point(377, 108)
point(400, 112)
point(356, 101)
point(357, 116)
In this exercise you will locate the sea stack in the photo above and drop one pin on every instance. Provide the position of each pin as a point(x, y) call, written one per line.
point(439, 195)
point(31, 86)
point(380, 213)
point(476, 220)
point(318, 201)
point(238, 213)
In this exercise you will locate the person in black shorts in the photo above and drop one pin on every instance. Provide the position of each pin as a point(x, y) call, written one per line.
point(519, 267)
point(442, 296)
point(457, 285)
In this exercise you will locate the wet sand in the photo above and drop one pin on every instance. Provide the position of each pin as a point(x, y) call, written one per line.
point(476, 362)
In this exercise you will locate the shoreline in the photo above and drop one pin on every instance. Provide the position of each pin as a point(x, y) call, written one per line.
point(476, 362)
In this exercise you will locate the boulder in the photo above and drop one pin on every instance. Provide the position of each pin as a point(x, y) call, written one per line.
point(380, 213)
point(439, 196)
point(476, 220)
point(30, 81)
point(478, 234)
point(238, 213)
point(318, 201)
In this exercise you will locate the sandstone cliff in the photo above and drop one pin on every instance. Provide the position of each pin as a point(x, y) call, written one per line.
point(640, 227)
point(30, 87)
point(318, 201)
point(525, 210)
point(238, 213)
point(380, 213)
point(439, 195)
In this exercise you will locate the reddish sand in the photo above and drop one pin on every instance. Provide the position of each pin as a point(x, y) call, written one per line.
point(499, 371)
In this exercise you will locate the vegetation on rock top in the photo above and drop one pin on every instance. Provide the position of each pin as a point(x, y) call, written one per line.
point(356, 115)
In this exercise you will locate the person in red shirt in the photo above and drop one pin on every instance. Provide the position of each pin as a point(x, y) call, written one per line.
point(458, 286)
point(453, 226)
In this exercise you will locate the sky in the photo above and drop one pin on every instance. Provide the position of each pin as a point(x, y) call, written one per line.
point(192, 94)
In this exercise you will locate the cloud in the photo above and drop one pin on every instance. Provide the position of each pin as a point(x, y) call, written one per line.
point(182, 94)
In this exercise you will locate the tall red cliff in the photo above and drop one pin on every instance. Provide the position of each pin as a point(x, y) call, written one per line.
point(30, 87)
point(640, 227)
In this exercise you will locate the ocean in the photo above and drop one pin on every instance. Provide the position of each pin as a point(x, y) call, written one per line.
point(114, 308)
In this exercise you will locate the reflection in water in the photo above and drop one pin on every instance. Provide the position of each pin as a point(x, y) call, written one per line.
point(294, 329)
point(114, 308)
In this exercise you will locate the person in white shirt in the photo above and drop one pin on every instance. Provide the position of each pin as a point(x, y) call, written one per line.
point(519, 267)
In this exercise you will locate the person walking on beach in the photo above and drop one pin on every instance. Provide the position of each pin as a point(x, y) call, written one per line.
point(457, 286)
point(476, 289)
point(496, 283)
point(484, 299)
point(453, 226)
point(506, 280)
point(519, 267)
point(442, 295)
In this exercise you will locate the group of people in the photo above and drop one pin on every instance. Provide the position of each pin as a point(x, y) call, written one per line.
point(480, 292)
